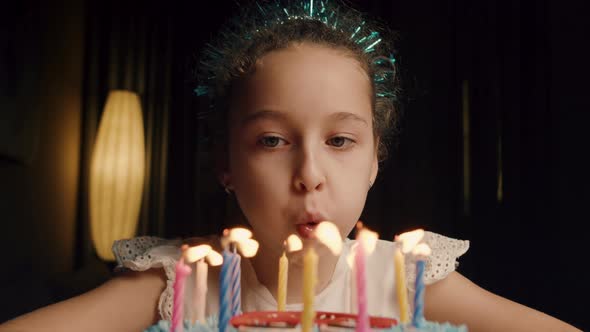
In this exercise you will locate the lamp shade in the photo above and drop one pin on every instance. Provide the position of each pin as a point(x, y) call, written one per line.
point(117, 172)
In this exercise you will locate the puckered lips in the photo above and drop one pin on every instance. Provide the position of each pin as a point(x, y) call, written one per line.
point(308, 223)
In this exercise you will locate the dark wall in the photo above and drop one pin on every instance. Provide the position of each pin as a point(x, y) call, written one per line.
point(40, 98)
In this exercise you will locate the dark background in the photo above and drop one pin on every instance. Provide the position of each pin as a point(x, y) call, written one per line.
point(492, 147)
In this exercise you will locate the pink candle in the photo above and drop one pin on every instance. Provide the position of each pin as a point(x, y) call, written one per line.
point(182, 271)
point(362, 324)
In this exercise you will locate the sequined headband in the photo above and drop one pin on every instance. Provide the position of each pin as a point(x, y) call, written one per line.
point(275, 13)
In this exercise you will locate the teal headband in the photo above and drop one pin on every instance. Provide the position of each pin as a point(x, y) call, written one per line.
point(276, 13)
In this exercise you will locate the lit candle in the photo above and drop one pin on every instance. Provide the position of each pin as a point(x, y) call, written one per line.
point(421, 251)
point(400, 285)
point(327, 234)
point(310, 269)
point(240, 240)
point(293, 243)
point(182, 271)
point(366, 241)
point(235, 236)
point(200, 297)
point(282, 282)
point(199, 254)
point(224, 291)
point(236, 288)
point(224, 284)
point(404, 244)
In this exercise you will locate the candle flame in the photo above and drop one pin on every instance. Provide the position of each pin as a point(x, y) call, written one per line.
point(368, 239)
point(422, 250)
point(248, 247)
point(294, 243)
point(238, 234)
point(193, 254)
point(350, 256)
point(225, 238)
point(214, 258)
point(410, 239)
point(328, 234)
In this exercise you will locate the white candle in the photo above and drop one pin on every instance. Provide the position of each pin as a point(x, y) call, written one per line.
point(200, 297)
point(201, 255)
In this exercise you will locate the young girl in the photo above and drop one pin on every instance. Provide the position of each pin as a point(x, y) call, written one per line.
point(303, 98)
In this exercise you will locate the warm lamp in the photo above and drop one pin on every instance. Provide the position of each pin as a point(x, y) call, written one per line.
point(117, 172)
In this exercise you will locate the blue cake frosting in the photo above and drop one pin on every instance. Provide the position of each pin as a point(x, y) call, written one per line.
point(211, 326)
point(429, 327)
point(164, 326)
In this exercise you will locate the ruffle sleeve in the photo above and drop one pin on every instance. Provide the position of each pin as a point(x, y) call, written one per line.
point(441, 262)
point(146, 252)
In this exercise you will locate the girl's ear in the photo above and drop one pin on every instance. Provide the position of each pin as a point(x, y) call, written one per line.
point(223, 173)
point(375, 164)
point(222, 168)
point(374, 170)
point(225, 180)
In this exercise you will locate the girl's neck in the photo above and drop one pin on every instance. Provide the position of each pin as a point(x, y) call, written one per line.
point(266, 267)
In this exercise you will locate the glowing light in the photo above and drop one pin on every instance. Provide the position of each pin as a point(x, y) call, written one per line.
point(196, 253)
point(422, 250)
point(238, 234)
point(248, 247)
point(350, 256)
point(214, 258)
point(368, 239)
point(117, 172)
point(328, 234)
point(294, 243)
point(410, 239)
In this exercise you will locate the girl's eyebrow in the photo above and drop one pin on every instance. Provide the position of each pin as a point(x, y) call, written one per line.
point(340, 116)
point(277, 115)
point(263, 114)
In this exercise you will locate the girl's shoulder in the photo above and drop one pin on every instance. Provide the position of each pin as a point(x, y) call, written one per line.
point(144, 252)
point(443, 260)
point(149, 252)
point(440, 245)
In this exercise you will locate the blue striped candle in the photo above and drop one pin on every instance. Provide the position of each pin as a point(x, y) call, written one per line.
point(225, 291)
point(418, 319)
point(236, 288)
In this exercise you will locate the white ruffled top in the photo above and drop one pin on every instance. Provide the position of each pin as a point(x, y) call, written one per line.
point(145, 252)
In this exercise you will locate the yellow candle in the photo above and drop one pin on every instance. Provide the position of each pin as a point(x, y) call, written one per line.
point(310, 266)
point(282, 285)
point(400, 283)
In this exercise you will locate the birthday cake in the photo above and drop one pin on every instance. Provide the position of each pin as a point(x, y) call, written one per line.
point(282, 321)
point(289, 321)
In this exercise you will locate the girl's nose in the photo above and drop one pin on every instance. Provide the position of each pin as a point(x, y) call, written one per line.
point(309, 175)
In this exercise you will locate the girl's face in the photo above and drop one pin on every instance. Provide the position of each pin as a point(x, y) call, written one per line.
point(301, 143)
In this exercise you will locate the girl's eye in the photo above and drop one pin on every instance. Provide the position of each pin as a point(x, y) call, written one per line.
point(271, 141)
point(340, 141)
